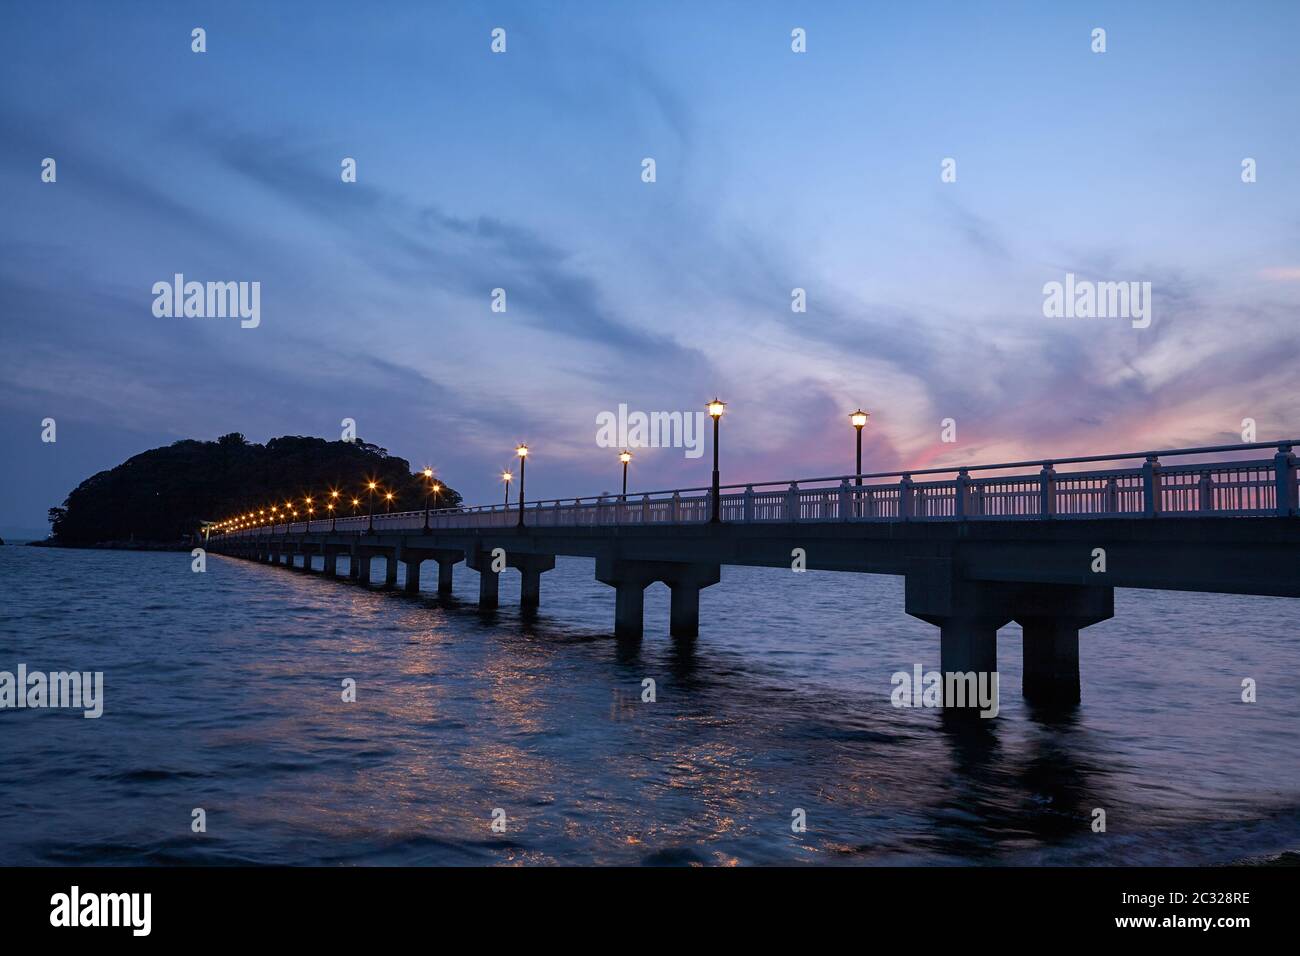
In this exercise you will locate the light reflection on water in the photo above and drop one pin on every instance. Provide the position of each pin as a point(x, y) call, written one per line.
point(223, 692)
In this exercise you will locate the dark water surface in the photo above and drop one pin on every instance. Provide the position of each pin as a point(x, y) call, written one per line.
point(223, 691)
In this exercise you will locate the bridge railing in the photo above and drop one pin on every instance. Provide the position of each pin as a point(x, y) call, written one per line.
point(1250, 486)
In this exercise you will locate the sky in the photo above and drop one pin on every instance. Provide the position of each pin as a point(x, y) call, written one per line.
point(523, 170)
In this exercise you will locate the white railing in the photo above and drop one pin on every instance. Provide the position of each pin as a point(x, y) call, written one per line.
point(1263, 486)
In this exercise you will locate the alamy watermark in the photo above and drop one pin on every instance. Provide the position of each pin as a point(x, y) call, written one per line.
point(37, 689)
point(209, 300)
point(624, 429)
point(958, 688)
point(1085, 299)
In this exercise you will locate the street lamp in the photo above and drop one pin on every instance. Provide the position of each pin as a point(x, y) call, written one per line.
point(428, 476)
point(625, 457)
point(506, 476)
point(310, 509)
point(371, 486)
point(716, 408)
point(388, 501)
point(859, 419)
point(522, 452)
point(330, 506)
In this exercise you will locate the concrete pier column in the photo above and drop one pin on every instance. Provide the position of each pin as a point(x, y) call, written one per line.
point(531, 567)
point(489, 583)
point(354, 563)
point(968, 644)
point(306, 561)
point(446, 568)
point(1051, 616)
point(390, 569)
point(684, 584)
point(361, 566)
point(630, 579)
point(412, 563)
point(331, 565)
point(1051, 661)
point(629, 609)
point(530, 589)
point(968, 615)
point(684, 610)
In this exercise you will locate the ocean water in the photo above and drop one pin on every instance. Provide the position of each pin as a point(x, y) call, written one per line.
point(223, 691)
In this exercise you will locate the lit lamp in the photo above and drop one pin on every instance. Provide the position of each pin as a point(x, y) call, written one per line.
point(625, 457)
point(330, 507)
point(506, 476)
point(370, 487)
point(715, 409)
point(428, 476)
point(859, 420)
point(522, 452)
point(388, 501)
point(310, 509)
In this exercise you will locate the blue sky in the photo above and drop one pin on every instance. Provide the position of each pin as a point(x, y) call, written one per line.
point(775, 170)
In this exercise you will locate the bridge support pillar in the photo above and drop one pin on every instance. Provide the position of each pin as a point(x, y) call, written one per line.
point(630, 579)
point(360, 570)
point(390, 569)
point(1051, 617)
point(489, 581)
point(412, 563)
point(306, 560)
point(446, 558)
point(489, 585)
point(531, 567)
point(629, 608)
point(968, 615)
point(330, 568)
point(445, 571)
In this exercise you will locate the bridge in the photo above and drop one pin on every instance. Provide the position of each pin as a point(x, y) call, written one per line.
point(979, 546)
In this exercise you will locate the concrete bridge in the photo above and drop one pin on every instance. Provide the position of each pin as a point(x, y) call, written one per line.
point(979, 546)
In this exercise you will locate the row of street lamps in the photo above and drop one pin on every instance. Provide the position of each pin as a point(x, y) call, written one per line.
point(715, 408)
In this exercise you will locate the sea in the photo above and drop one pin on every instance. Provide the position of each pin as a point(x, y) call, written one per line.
point(257, 715)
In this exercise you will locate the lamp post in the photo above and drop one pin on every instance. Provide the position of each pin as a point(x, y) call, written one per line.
point(310, 509)
point(506, 476)
point(716, 408)
point(625, 457)
point(428, 476)
point(356, 503)
point(859, 420)
point(371, 486)
point(388, 501)
point(522, 452)
point(330, 507)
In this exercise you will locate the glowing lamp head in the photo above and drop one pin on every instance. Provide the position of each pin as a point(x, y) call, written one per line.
point(388, 495)
point(716, 408)
point(522, 450)
point(428, 472)
point(506, 475)
point(625, 456)
point(372, 485)
point(437, 487)
point(334, 494)
point(859, 418)
point(355, 502)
